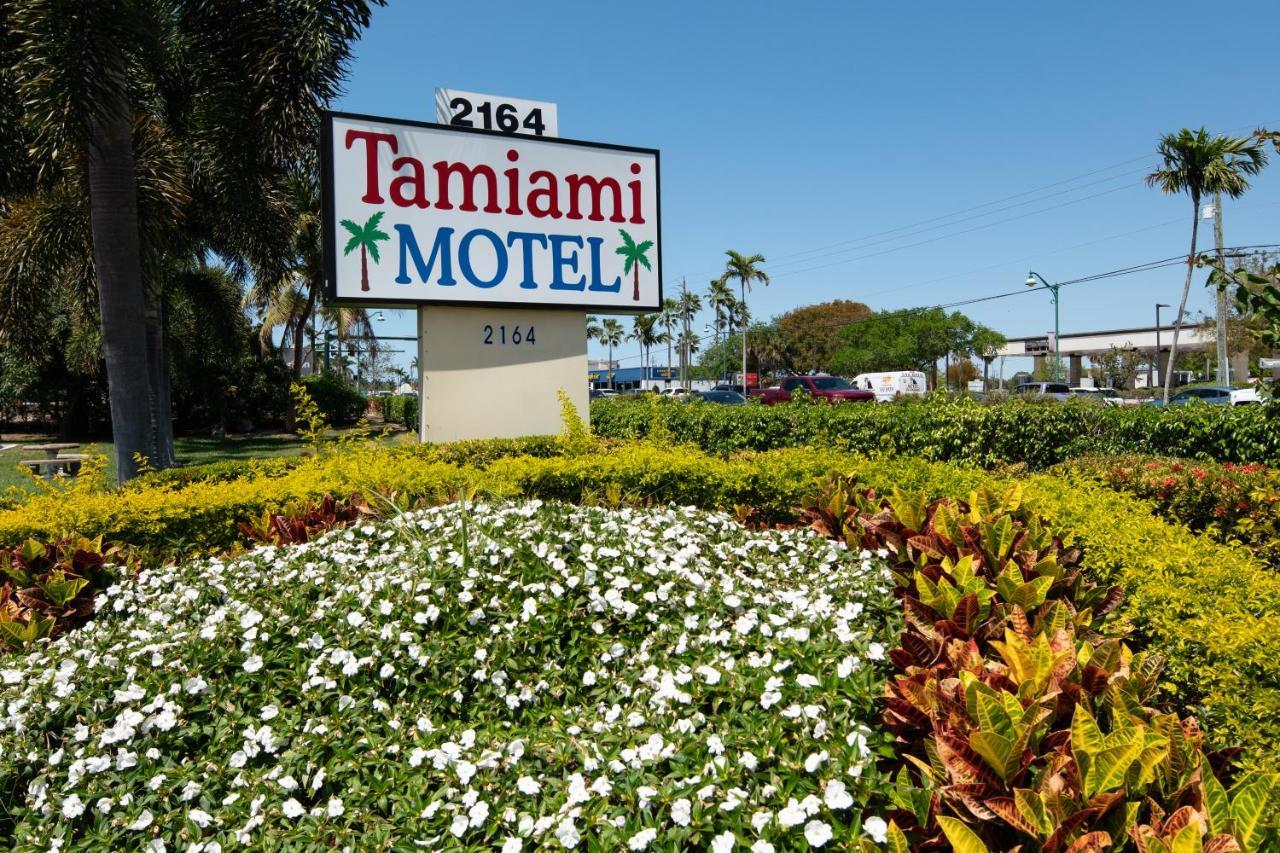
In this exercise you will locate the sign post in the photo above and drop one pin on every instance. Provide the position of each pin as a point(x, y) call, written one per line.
point(510, 240)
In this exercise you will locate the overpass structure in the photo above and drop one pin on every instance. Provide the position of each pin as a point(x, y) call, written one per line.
point(1144, 339)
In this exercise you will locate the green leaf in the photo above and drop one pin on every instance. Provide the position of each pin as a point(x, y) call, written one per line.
point(996, 750)
point(897, 840)
point(1086, 737)
point(1031, 807)
point(1187, 840)
point(1031, 594)
point(1217, 806)
point(1112, 764)
point(1251, 810)
point(962, 838)
point(58, 589)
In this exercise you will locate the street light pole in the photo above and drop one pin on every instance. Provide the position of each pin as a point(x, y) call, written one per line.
point(1032, 275)
point(1159, 305)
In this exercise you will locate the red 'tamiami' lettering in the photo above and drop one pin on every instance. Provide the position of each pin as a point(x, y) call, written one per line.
point(371, 140)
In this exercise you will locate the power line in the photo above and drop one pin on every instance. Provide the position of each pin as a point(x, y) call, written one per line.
point(1162, 263)
point(949, 224)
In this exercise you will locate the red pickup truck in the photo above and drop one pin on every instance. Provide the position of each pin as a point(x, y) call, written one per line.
point(832, 389)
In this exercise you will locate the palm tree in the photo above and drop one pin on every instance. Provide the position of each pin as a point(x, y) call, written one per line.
point(644, 331)
point(669, 319)
point(611, 335)
point(746, 269)
point(720, 298)
point(1196, 164)
point(366, 238)
point(186, 84)
point(690, 304)
point(634, 256)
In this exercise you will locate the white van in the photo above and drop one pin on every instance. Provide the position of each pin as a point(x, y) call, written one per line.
point(889, 386)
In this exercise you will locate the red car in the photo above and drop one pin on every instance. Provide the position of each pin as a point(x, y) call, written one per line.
point(832, 389)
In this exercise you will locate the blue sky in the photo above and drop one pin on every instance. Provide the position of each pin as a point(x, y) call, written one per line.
point(850, 143)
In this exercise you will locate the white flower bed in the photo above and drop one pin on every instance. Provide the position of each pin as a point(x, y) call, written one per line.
point(500, 677)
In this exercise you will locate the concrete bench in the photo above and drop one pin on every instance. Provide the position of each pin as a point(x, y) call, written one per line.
point(62, 466)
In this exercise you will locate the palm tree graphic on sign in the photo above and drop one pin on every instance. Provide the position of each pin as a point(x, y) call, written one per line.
point(635, 256)
point(367, 239)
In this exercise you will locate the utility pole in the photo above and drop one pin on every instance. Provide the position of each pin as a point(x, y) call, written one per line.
point(1224, 376)
point(684, 338)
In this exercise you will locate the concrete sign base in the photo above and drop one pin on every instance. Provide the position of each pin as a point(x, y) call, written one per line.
point(496, 372)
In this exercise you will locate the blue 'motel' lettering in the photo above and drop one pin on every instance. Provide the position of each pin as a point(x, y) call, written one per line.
point(464, 257)
point(441, 247)
point(565, 252)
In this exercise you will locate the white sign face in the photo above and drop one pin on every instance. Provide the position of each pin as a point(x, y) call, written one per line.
point(494, 112)
point(419, 213)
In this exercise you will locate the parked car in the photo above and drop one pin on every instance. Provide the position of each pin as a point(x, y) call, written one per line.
point(601, 393)
point(722, 398)
point(675, 391)
point(889, 386)
point(832, 389)
point(1216, 395)
point(723, 386)
point(1106, 396)
point(1050, 390)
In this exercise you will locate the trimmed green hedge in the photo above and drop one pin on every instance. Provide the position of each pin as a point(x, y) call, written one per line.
point(400, 409)
point(1211, 608)
point(1039, 434)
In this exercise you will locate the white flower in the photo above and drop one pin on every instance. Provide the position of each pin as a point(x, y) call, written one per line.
point(143, 821)
point(748, 760)
point(875, 651)
point(336, 808)
point(723, 842)
point(681, 812)
point(762, 846)
point(293, 808)
point(253, 663)
point(355, 619)
point(817, 833)
point(814, 761)
point(465, 770)
point(804, 679)
point(761, 819)
point(836, 796)
point(458, 825)
point(511, 845)
point(642, 839)
point(589, 678)
point(478, 813)
point(877, 829)
point(189, 792)
point(567, 833)
point(268, 712)
point(792, 814)
point(200, 817)
point(72, 807)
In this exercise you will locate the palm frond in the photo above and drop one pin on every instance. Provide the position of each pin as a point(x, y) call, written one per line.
point(352, 227)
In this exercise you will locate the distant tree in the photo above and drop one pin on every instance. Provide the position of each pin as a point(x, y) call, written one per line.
point(611, 335)
point(644, 331)
point(690, 304)
point(1118, 367)
point(669, 320)
point(747, 269)
point(813, 332)
point(985, 343)
point(910, 339)
point(721, 299)
point(1197, 164)
point(961, 372)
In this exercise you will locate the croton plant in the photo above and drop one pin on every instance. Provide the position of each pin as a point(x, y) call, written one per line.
point(1023, 721)
point(49, 587)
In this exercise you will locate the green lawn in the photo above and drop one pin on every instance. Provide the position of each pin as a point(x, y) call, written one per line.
point(192, 450)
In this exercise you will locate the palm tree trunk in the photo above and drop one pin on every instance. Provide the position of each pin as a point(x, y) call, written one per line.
point(1186, 289)
point(364, 269)
point(609, 366)
point(117, 258)
point(743, 289)
point(635, 292)
point(668, 357)
point(160, 433)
